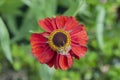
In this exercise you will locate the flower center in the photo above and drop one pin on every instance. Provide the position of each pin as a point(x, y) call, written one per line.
point(59, 40)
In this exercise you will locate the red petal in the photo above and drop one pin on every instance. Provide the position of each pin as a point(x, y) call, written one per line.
point(37, 38)
point(79, 50)
point(71, 23)
point(60, 21)
point(38, 44)
point(72, 53)
point(45, 34)
point(63, 62)
point(54, 23)
point(69, 60)
point(51, 62)
point(80, 41)
point(46, 24)
point(38, 49)
point(77, 30)
point(46, 56)
point(56, 62)
point(79, 37)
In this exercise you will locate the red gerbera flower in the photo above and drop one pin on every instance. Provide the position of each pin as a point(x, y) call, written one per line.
point(65, 39)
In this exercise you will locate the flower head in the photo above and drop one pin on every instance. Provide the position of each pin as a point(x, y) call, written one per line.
point(63, 40)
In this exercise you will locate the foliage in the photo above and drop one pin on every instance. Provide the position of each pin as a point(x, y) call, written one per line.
point(102, 20)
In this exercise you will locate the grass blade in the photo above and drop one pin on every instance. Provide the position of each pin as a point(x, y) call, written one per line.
point(100, 26)
point(4, 40)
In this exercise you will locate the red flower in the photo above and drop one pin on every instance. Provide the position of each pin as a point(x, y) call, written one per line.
point(63, 40)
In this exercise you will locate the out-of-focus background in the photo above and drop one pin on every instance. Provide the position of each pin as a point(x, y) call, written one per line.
point(18, 18)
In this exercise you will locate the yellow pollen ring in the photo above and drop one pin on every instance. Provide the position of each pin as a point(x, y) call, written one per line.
point(51, 43)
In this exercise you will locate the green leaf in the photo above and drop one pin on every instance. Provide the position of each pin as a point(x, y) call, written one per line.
point(46, 72)
point(74, 8)
point(11, 21)
point(100, 26)
point(29, 23)
point(42, 8)
point(38, 9)
point(65, 3)
point(4, 40)
point(2, 2)
point(11, 6)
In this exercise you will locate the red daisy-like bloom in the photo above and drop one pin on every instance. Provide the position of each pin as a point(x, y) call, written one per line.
point(63, 40)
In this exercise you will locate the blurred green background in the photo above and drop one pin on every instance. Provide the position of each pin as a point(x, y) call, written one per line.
point(18, 18)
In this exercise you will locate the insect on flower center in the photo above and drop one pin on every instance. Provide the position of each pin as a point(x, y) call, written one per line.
point(59, 40)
